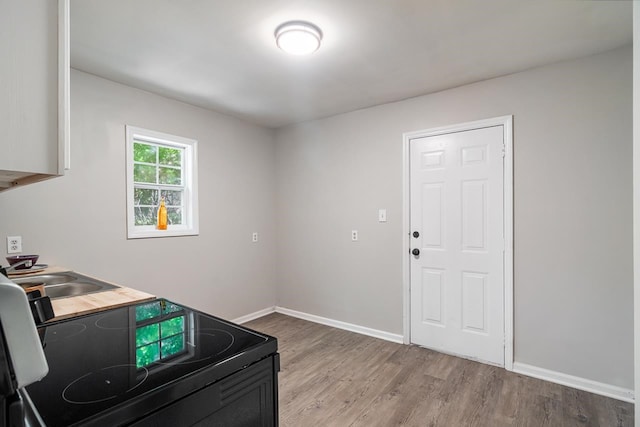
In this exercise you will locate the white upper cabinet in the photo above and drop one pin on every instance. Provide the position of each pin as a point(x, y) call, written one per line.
point(34, 90)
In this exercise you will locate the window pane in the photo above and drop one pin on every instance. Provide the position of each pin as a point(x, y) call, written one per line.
point(170, 156)
point(174, 215)
point(144, 173)
point(145, 216)
point(172, 326)
point(171, 308)
point(147, 334)
point(145, 196)
point(147, 311)
point(170, 176)
point(172, 345)
point(172, 198)
point(144, 152)
point(147, 355)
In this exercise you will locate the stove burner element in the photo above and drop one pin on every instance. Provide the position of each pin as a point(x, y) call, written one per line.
point(105, 384)
point(112, 321)
point(63, 331)
point(223, 340)
point(213, 342)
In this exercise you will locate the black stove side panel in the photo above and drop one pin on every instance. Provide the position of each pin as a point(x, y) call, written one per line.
point(245, 399)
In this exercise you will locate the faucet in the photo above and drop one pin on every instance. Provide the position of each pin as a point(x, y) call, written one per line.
point(5, 270)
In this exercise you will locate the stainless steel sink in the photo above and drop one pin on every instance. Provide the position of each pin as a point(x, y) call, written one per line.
point(67, 284)
point(48, 279)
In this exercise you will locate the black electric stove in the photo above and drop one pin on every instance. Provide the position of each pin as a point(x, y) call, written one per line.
point(156, 363)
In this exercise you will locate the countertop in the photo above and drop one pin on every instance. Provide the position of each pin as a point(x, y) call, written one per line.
point(64, 308)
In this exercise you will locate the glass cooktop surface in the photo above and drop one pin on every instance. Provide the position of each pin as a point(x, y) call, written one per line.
point(157, 350)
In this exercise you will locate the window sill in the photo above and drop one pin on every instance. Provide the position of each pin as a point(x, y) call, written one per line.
point(154, 233)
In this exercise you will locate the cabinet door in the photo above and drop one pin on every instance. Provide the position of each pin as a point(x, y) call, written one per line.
point(29, 88)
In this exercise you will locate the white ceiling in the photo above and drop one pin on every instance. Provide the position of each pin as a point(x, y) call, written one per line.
point(221, 54)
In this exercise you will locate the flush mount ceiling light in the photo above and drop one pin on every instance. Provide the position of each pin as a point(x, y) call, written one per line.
point(298, 37)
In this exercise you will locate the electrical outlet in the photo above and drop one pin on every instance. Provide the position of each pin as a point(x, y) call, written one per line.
point(14, 244)
point(254, 237)
point(354, 235)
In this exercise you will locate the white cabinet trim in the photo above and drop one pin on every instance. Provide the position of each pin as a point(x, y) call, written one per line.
point(64, 72)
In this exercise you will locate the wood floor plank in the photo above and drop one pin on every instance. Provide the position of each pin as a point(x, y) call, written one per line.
point(577, 408)
point(331, 377)
point(623, 412)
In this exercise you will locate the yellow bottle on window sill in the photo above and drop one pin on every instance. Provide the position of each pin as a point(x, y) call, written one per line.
point(162, 216)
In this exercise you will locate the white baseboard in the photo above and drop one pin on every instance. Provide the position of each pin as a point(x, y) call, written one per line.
point(322, 320)
point(342, 325)
point(608, 390)
point(253, 316)
point(603, 389)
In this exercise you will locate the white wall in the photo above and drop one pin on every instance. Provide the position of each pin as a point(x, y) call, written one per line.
point(319, 180)
point(79, 220)
point(573, 211)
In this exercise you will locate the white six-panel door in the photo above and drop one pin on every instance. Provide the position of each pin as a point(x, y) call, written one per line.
point(457, 212)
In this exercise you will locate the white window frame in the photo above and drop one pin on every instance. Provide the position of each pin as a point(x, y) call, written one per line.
point(190, 196)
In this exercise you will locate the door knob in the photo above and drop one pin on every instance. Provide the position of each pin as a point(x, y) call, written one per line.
point(416, 234)
point(416, 251)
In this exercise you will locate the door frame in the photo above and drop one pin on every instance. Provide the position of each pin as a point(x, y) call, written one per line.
point(507, 128)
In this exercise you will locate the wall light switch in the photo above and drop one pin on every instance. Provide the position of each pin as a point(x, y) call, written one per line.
point(354, 235)
point(14, 244)
point(254, 237)
point(382, 215)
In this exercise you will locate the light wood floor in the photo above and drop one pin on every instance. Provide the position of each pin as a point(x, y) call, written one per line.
point(331, 377)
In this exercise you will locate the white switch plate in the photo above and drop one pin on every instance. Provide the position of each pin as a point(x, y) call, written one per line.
point(382, 215)
point(354, 235)
point(14, 244)
point(254, 237)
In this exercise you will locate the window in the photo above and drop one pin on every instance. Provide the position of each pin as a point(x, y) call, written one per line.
point(161, 166)
point(161, 333)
